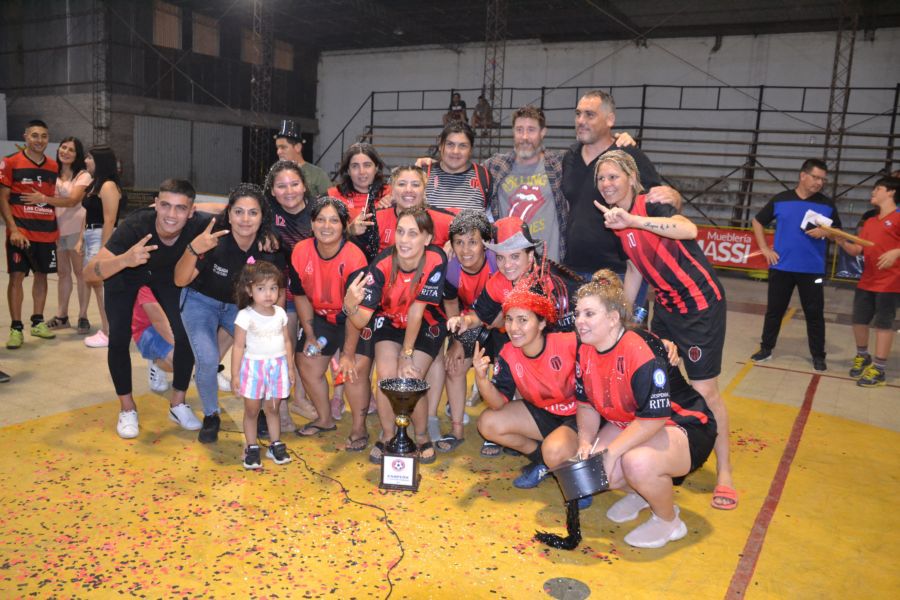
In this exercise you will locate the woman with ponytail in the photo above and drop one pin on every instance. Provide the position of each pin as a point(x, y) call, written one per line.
point(403, 289)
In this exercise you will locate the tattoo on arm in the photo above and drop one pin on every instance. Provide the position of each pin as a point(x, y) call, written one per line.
point(651, 226)
point(97, 270)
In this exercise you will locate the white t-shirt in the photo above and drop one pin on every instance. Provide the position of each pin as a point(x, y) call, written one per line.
point(265, 335)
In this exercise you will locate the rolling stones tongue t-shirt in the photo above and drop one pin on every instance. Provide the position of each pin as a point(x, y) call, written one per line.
point(526, 193)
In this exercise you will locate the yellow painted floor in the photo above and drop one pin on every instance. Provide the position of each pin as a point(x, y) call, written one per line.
point(86, 514)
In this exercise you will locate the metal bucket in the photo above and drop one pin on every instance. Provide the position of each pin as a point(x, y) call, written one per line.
point(582, 478)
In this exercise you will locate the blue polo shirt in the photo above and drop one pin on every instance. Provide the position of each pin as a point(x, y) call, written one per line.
point(798, 253)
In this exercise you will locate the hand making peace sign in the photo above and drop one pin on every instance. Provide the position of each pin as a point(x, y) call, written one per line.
point(207, 240)
point(139, 254)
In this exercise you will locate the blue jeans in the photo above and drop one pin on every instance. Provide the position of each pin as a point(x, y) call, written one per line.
point(202, 316)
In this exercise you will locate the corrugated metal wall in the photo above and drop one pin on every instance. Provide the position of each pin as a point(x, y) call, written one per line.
point(207, 154)
point(217, 157)
point(162, 149)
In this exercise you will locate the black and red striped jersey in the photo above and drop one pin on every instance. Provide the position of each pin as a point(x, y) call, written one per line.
point(633, 380)
point(545, 380)
point(465, 286)
point(387, 226)
point(392, 298)
point(37, 222)
point(324, 280)
point(677, 269)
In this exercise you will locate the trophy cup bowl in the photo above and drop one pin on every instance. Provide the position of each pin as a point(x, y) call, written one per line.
point(403, 394)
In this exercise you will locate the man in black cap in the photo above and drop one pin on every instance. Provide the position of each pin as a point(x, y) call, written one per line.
point(289, 146)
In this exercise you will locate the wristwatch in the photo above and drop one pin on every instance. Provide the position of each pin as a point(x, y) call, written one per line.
point(406, 353)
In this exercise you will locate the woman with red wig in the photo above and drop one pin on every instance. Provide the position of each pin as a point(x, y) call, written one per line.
point(540, 366)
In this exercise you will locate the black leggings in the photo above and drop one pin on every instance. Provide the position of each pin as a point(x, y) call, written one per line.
point(119, 298)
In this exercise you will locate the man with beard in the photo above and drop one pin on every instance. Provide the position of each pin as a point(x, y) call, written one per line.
point(528, 182)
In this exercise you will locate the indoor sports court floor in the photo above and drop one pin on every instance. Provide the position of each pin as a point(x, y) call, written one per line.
point(86, 514)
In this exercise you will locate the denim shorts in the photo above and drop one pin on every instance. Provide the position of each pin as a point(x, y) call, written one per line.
point(152, 345)
point(91, 246)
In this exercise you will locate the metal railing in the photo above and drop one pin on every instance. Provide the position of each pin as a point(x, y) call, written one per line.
point(727, 149)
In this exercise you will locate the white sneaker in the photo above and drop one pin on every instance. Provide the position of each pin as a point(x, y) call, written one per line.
point(157, 378)
point(626, 509)
point(223, 381)
point(98, 340)
point(656, 533)
point(127, 427)
point(184, 416)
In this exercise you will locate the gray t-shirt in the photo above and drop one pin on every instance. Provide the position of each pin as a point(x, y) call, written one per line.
point(526, 193)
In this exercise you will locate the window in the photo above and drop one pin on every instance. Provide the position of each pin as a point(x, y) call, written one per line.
point(284, 56)
point(166, 25)
point(251, 52)
point(205, 35)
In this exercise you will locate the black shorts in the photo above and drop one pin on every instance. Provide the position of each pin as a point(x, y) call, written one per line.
point(877, 308)
point(39, 257)
point(546, 421)
point(700, 338)
point(430, 339)
point(334, 336)
point(701, 441)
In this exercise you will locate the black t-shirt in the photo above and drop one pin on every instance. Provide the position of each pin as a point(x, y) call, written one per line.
point(160, 269)
point(291, 229)
point(591, 246)
point(221, 266)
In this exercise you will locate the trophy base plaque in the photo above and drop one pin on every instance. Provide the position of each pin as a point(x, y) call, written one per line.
point(400, 472)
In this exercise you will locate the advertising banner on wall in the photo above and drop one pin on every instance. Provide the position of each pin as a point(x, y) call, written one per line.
point(732, 247)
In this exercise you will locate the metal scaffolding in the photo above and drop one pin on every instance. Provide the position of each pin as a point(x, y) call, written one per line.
point(100, 89)
point(840, 89)
point(492, 84)
point(260, 92)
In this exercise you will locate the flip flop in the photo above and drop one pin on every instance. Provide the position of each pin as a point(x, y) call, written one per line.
point(490, 449)
point(427, 460)
point(448, 443)
point(727, 493)
point(310, 430)
point(377, 453)
point(357, 445)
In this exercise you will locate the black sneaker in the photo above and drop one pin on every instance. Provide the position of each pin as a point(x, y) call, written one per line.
point(762, 355)
point(251, 457)
point(262, 426)
point(819, 363)
point(209, 433)
point(278, 452)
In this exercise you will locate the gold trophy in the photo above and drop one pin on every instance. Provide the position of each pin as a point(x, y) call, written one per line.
point(400, 462)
